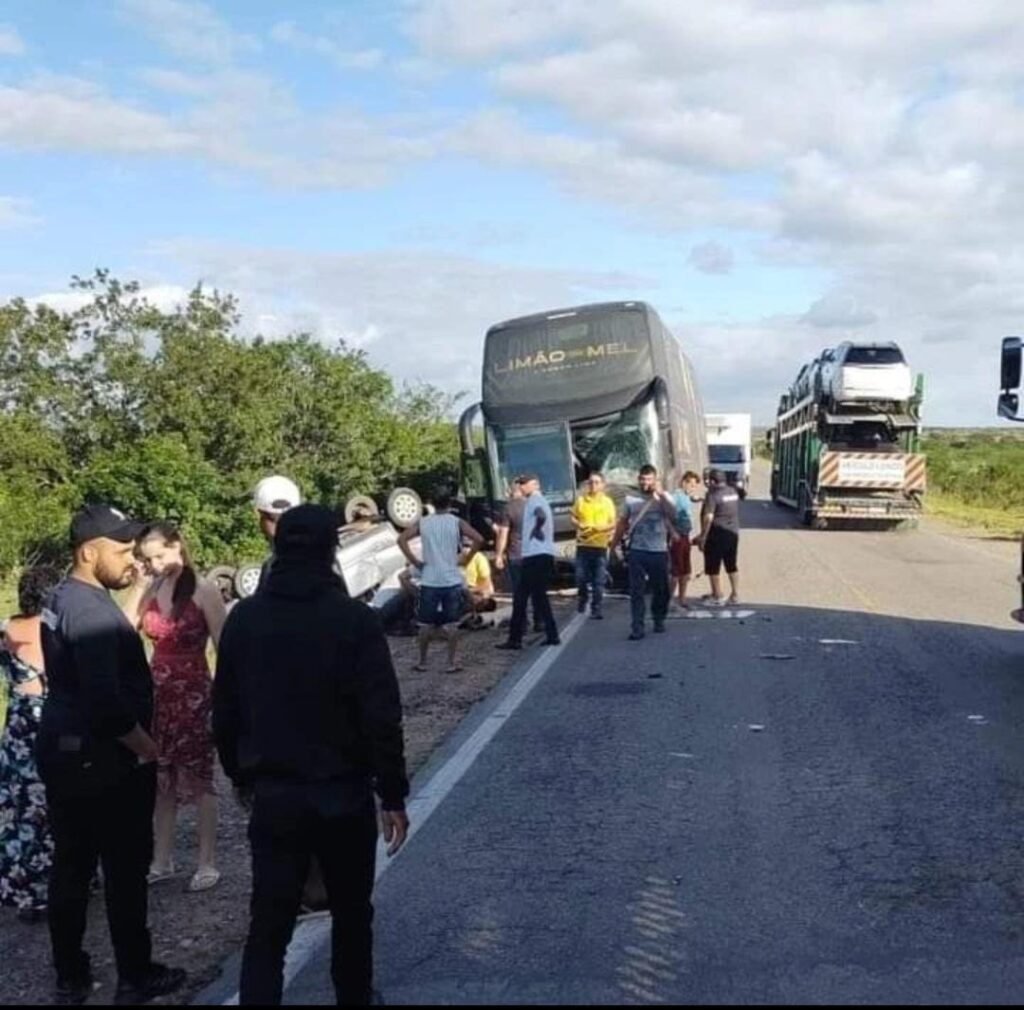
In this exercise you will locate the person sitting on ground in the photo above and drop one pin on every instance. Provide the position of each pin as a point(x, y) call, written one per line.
point(180, 613)
point(442, 586)
point(479, 589)
point(26, 846)
point(720, 538)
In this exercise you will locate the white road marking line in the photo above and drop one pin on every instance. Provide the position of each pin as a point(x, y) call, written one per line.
point(311, 932)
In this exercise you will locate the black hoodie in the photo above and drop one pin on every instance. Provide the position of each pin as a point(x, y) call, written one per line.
point(305, 689)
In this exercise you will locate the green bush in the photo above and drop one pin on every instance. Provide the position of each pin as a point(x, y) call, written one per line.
point(174, 415)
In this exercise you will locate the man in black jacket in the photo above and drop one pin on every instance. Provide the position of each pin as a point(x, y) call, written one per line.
point(308, 722)
point(97, 759)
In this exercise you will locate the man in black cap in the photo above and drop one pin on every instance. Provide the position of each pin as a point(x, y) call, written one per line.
point(308, 723)
point(97, 760)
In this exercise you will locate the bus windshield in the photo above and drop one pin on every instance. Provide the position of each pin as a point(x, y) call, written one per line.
point(541, 449)
point(618, 446)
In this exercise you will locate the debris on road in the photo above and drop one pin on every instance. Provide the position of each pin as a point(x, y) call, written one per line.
point(776, 655)
point(978, 719)
point(755, 727)
point(837, 641)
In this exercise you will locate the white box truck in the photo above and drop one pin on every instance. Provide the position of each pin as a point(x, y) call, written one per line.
point(729, 447)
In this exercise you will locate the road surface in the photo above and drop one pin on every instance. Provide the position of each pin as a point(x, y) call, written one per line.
point(818, 801)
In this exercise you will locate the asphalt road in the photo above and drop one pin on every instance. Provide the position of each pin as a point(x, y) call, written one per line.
point(820, 801)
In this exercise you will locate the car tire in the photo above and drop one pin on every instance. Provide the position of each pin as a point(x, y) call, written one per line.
point(223, 577)
point(247, 578)
point(360, 503)
point(404, 507)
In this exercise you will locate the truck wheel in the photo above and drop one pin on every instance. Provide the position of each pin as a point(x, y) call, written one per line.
point(223, 577)
point(404, 507)
point(360, 505)
point(247, 578)
point(804, 507)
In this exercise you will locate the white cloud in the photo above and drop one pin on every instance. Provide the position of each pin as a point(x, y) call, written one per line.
point(16, 213)
point(289, 34)
point(11, 43)
point(66, 113)
point(189, 30)
point(421, 315)
point(166, 297)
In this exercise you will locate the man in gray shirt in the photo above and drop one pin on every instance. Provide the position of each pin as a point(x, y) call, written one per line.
point(647, 524)
point(720, 538)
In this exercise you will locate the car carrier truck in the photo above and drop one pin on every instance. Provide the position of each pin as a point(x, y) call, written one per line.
point(846, 461)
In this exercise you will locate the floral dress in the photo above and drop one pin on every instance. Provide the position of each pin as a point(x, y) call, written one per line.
point(26, 846)
point(182, 700)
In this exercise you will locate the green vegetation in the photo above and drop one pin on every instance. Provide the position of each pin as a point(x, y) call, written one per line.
point(173, 415)
point(977, 477)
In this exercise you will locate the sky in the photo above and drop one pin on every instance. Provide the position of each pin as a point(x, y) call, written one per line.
point(773, 176)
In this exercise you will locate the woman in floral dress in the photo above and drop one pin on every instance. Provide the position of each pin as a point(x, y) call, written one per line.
point(179, 613)
point(26, 846)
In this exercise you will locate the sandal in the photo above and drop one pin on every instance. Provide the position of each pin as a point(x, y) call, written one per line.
point(203, 880)
point(155, 876)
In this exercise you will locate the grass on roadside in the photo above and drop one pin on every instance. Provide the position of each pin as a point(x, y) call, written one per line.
point(1002, 522)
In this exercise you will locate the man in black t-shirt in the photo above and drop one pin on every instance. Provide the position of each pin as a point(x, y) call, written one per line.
point(720, 538)
point(97, 760)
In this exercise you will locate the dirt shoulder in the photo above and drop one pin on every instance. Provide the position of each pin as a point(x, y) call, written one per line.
point(199, 932)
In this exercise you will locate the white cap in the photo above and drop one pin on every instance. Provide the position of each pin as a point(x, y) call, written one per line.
point(275, 495)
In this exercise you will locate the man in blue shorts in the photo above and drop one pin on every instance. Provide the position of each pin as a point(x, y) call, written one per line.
point(442, 585)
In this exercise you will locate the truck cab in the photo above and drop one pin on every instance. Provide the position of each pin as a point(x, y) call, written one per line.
point(1010, 408)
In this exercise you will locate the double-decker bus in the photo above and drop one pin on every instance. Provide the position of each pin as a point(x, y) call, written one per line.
point(601, 387)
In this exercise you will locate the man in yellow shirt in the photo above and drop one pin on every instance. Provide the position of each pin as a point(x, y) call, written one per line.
point(479, 589)
point(594, 516)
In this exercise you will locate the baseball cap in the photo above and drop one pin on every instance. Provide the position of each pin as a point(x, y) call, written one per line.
point(95, 521)
point(275, 495)
point(307, 531)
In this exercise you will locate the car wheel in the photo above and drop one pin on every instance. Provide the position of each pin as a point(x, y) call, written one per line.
point(360, 506)
point(223, 577)
point(404, 507)
point(247, 579)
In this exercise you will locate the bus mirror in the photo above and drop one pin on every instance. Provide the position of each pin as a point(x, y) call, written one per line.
point(474, 480)
point(1009, 406)
point(1010, 365)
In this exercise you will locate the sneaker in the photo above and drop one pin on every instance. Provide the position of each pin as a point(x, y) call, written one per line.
point(159, 981)
point(659, 627)
point(510, 645)
point(734, 600)
point(73, 991)
point(716, 601)
point(635, 636)
point(551, 641)
point(597, 616)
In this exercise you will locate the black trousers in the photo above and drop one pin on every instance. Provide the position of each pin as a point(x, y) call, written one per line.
point(290, 823)
point(534, 579)
point(109, 819)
